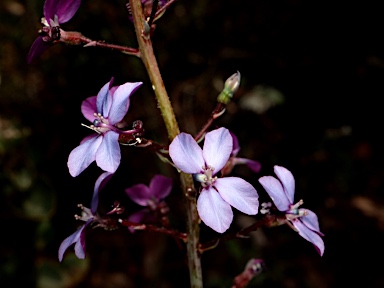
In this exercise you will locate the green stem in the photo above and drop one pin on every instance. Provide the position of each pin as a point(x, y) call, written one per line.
point(150, 63)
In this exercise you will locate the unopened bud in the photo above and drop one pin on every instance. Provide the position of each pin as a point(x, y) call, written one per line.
point(230, 88)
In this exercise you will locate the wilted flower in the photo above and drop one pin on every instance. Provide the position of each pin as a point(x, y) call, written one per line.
point(149, 196)
point(282, 193)
point(56, 12)
point(233, 160)
point(217, 194)
point(105, 110)
point(88, 216)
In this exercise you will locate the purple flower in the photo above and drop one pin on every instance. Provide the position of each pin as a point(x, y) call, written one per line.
point(282, 192)
point(105, 110)
point(56, 12)
point(234, 160)
point(217, 194)
point(88, 216)
point(149, 196)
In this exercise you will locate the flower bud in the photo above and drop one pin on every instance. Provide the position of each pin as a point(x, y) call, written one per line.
point(230, 88)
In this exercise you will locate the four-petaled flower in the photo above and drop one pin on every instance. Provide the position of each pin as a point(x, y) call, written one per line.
point(149, 196)
point(255, 166)
point(105, 110)
point(89, 216)
point(56, 12)
point(217, 194)
point(282, 193)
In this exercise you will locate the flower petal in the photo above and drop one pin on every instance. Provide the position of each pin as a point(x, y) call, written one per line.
point(214, 211)
point(288, 181)
point(66, 9)
point(139, 194)
point(83, 155)
point(108, 155)
point(186, 154)
point(217, 148)
point(88, 108)
point(236, 146)
point(276, 191)
point(311, 222)
point(50, 9)
point(69, 241)
point(99, 184)
point(37, 48)
point(104, 99)
point(120, 101)
point(255, 166)
point(160, 186)
point(310, 236)
point(239, 194)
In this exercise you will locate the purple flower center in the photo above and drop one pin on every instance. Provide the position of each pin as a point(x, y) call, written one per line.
point(101, 125)
point(294, 212)
point(206, 178)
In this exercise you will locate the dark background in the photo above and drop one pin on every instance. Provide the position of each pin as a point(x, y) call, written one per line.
point(310, 100)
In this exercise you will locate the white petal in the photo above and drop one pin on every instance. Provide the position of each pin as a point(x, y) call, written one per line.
point(276, 191)
point(217, 148)
point(239, 194)
point(186, 154)
point(288, 181)
point(214, 211)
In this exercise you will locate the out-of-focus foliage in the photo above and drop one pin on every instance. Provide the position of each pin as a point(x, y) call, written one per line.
point(315, 72)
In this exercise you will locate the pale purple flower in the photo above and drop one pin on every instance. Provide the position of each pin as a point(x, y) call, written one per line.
point(88, 216)
point(56, 12)
point(233, 160)
point(217, 194)
point(105, 110)
point(149, 196)
point(282, 193)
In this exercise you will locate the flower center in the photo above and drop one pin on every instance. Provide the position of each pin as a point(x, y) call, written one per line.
point(206, 178)
point(51, 31)
point(294, 211)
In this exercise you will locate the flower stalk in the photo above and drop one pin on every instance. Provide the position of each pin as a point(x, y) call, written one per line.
point(150, 63)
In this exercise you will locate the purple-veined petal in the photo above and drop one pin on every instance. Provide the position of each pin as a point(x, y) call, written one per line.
point(37, 48)
point(83, 155)
point(104, 99)
point(186, 154)
point(88, 108)
point(311, 221)
point(160, 186)
point(99, 184)
point(66, 9)
point(287, 180)
point(120, 103)
point(108, 155)
point(50, 9)
point(310, 236)
point(214, 211)
point(255, 166)
point(276, 191)
point(140, 194)
point(217, 148)
point(236, 146)
point(138, 217)
point(239, 194)
point(75, 237)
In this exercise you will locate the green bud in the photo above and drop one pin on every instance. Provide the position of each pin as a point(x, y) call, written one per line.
point(230, 88)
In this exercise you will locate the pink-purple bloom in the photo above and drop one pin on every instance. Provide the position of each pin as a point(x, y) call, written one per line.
point(105, 111)
point(255, 166)
point(282, 192)
point(88, 215)
point(217, 194)
point(149, 196)
point(56, 12)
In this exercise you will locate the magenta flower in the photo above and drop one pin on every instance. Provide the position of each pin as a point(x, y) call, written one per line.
point(282, 193)
point(105, 110)
point(255, 166)
point(56, 12)
point(149, 196)
point(88, 216)
point(217, 194)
